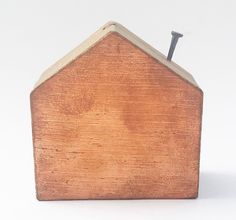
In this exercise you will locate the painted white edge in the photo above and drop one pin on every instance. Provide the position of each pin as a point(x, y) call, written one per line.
point(101, 33)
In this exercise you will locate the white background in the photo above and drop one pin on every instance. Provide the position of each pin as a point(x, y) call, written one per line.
point(35, 34)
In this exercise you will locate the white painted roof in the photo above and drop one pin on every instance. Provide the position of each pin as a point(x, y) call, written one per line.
point(101, 33)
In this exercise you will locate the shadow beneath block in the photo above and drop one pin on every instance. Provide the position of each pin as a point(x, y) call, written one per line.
point(217, 186)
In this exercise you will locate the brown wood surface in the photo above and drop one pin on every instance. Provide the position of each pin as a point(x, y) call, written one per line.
point(116, 124)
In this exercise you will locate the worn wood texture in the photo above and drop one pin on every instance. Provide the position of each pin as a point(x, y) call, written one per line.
point(116, 124)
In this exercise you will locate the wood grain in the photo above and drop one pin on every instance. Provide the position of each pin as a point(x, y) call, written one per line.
point(116, 124)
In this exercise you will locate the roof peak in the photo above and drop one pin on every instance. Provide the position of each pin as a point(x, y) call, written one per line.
point(113, 26)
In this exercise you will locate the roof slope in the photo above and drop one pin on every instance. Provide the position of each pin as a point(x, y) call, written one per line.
point(101, 33)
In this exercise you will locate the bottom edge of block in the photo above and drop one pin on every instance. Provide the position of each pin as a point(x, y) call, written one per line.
point(39, 198)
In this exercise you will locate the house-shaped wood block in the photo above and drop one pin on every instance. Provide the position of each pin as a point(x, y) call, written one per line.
point(114, 119)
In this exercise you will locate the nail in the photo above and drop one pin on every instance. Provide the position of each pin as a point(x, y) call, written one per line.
point(174, 40)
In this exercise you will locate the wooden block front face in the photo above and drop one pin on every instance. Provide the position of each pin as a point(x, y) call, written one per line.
point(116, 124)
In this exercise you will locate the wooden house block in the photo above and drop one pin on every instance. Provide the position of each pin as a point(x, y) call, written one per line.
point(114, 119)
